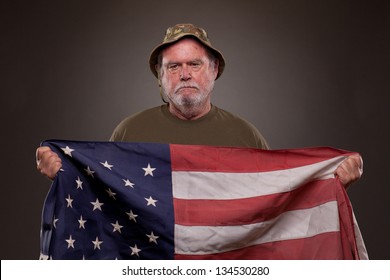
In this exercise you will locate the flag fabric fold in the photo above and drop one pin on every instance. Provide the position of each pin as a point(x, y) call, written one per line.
point(116, 200)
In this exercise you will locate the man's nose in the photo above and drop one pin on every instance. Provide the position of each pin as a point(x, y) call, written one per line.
point(185, 74)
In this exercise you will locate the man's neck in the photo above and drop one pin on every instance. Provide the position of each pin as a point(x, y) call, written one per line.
point(189, 113)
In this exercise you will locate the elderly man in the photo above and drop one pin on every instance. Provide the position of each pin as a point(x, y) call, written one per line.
point(186, 66)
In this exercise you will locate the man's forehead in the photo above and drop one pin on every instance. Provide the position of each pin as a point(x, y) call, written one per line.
point(186, 49)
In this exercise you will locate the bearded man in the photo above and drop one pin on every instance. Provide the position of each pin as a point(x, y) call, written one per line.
point(187, 66)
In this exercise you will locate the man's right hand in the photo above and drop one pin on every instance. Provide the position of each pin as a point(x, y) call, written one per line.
point(48, 162)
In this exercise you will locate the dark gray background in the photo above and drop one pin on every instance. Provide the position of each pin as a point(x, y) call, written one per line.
point(306, 73)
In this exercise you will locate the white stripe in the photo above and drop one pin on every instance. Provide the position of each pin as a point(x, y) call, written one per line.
point(221, 185)
point(363, 254)
point(199, 240)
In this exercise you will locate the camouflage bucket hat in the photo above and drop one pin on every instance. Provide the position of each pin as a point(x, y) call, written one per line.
point(175, 33)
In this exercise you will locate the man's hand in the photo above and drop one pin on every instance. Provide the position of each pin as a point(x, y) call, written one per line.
point(350, 170)
point(48, 162)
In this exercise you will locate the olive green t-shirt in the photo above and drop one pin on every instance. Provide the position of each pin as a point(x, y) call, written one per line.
point(216, 128)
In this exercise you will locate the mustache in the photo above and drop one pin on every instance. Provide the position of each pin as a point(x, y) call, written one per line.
point(186, 85)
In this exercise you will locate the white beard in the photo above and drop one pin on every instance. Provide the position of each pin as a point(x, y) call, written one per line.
point(189, 105)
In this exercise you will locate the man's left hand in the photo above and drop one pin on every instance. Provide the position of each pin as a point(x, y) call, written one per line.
point(350, 170)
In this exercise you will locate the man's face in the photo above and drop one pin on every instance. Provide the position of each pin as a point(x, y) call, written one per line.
point(187, 74)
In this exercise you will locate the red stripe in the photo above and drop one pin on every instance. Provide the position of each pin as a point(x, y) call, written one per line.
point(252, 210)
point(231, 159)
point(316, 247)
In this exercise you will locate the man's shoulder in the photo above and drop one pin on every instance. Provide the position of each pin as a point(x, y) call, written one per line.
point(230, 116)
point(149, 113)
point(225, 112)
point(240, 128)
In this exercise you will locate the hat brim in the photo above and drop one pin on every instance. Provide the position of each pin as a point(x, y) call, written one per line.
point(153, 59)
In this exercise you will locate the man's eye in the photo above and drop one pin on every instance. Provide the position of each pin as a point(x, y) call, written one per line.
point(195, 64)
point(173, 67)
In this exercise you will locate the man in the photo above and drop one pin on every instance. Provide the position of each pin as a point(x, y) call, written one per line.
point(186, 66)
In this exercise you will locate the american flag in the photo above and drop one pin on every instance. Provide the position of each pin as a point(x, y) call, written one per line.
point(163, 201)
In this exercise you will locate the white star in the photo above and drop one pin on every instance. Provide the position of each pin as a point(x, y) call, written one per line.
point(97, 243)
point(107, 165)
point(69, 200)
point(132, 216)
point(135, 250)
point(128, 183)
point(149, 170)
point(82, 222)
point(70, 241)
point(89, 172)
point(55, 222)
point(117, 227)
point(151, 201)
point(152, 237)
point(97, 205)
point(111, 193)
point(68, 151)
point(79, 183)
